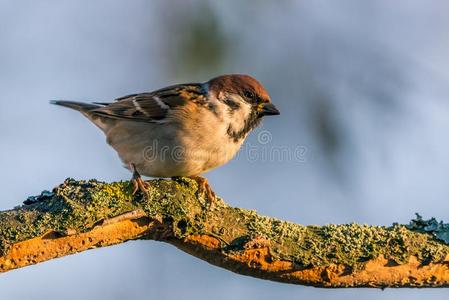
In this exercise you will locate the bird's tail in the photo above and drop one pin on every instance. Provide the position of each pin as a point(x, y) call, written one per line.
point(79, 106)
point(88, 110)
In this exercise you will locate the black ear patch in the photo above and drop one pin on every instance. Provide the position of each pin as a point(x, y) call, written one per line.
point(232, 104)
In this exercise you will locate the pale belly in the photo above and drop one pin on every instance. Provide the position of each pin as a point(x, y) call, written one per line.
point(160, 153)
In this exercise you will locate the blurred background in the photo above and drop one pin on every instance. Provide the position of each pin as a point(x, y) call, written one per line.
point(363, 90)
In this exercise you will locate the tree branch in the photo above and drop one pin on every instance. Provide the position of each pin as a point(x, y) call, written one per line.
point(80, 215)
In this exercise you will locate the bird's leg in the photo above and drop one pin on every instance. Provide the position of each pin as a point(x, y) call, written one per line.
point(138, 182)
point(204, 187)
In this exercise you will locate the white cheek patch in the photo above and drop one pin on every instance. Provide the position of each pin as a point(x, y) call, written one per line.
point(243, 112)
point(237, 118)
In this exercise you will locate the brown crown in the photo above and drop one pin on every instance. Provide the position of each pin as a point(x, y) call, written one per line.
point(238, 84)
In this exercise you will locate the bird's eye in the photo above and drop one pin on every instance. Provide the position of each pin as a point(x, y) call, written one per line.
point(249, 95)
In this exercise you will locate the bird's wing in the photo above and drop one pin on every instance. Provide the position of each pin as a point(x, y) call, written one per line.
point(154, 106)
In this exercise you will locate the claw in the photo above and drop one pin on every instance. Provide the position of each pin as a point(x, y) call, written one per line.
point(204, 188)
point(138, 182)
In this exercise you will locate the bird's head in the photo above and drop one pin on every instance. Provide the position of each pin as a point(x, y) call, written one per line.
point(245, 100)
point(238, 89)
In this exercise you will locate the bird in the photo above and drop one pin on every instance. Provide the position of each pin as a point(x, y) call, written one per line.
point(182, 130)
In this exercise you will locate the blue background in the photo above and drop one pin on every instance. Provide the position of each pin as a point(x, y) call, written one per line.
point(362, 88)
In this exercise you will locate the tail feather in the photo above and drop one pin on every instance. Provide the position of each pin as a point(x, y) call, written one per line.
point(87, 109)
point(79, 106)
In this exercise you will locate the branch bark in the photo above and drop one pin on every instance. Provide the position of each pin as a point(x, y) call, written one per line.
point(80, 215)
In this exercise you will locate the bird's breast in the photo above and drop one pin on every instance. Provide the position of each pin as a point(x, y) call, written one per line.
point(168, 150)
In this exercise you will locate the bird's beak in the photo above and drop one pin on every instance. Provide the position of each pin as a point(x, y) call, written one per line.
point(267, 109)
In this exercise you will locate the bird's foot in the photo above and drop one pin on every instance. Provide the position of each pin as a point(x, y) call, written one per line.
point(138, 182)
point(204, 188)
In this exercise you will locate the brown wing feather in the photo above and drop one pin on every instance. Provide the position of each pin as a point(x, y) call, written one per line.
point(154, 106)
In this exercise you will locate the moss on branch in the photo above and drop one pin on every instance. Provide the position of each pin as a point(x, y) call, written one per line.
point(233, 238)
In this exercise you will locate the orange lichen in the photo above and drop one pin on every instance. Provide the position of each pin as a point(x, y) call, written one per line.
point(53, 245)
point(81, 215)
point(378, 272)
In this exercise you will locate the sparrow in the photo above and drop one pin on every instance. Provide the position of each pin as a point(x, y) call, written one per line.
point(182, 130)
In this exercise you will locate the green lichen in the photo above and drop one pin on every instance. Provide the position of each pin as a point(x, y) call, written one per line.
point(80, 205)
point(348, 244)
point(76, 205)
